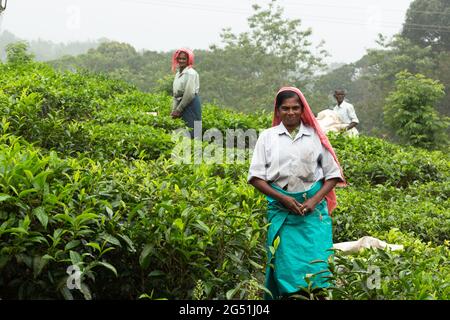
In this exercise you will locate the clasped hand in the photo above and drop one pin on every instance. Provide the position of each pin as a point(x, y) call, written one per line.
point(299, 208)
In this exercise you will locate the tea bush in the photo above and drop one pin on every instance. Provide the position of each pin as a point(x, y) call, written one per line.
point(49, 221)
point(143, 224)
point(380, 208)
point(420, 272)
point(87, 179)
point(372, 161)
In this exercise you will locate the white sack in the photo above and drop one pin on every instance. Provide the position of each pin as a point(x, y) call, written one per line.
point(329, 120)
point(365, 242)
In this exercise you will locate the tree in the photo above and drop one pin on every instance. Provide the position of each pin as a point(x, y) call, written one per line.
point(369, 80)
point(422, 47)
point(253, 65)
point(272, 34)
point(395, 55)
point(427, 24)
point(47, 50)
point(409, 110)
point(116, 50)
point(16, 53)
point(122, 61)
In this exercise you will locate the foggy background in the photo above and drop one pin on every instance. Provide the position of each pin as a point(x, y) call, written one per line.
point(347, 27)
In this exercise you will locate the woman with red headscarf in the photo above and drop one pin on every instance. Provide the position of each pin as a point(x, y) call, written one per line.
point(296, 168)
point(186, 85)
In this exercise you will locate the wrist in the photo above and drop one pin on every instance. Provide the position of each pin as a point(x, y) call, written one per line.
point(281, 197)
point(316, 199)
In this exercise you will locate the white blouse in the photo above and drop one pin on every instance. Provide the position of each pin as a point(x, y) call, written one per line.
point(296, 162)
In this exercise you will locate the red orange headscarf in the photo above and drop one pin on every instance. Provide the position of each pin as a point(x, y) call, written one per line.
point(190, 58)
point(309, 119)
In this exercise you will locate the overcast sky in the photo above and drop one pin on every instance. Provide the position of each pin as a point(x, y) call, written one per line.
point(348, 27)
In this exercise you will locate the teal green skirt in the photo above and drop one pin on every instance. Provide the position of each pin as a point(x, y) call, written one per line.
point(296, 242)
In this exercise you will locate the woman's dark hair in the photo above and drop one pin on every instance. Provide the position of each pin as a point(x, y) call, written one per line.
point(286, 95)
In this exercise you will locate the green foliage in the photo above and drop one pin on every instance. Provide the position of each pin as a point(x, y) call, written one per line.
point(98, 189)
point(273, 34)
point(427, 24)
point(44, 50)
point(385, 275)
point(422, 47)
point(223, 119)
point(369, 80)
point(132, 141)
point(275, 52)
point(143, 223)
point(16, 53)
point(49, 108)
point(414, 210)
point(138, 108)
point(165, 84)
point(121, 61)
point(410, 111)
point(389, 164)
point(50, 220)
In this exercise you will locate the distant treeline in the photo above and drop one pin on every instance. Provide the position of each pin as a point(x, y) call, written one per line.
point(44, 50)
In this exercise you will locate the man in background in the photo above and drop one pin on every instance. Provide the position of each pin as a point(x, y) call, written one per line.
point(345, 110)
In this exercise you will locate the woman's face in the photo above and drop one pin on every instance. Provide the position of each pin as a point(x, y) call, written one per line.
point(182, 60)
point(290, 111)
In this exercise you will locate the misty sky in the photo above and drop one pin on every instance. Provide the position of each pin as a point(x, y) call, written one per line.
point(348, 27)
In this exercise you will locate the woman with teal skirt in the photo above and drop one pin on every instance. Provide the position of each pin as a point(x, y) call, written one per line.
point(296, 168)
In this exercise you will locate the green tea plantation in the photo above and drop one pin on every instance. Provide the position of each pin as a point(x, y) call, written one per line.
point(88, 187)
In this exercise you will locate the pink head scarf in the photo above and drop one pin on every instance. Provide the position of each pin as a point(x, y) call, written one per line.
point(309, 119)
point(190, 58)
